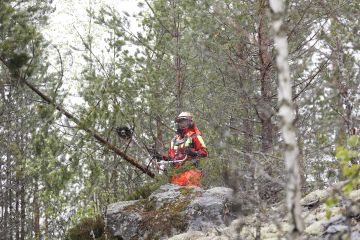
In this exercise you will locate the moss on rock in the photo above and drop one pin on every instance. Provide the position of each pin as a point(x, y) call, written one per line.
point(164, 221)
point(88, 228)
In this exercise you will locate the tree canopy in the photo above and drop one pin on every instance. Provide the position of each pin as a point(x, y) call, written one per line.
point(61, 160)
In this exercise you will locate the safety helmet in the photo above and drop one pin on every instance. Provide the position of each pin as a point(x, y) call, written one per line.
point(184, 121)
point(184, 115)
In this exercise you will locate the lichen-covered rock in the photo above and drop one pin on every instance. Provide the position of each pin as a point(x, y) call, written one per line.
point(191, 213)
point(315, 229)
point(344, 222)
point(316, 196)
point(209, 210)
point(355, 195)
point(129, 222)
point(170, 193)
point(169, 211)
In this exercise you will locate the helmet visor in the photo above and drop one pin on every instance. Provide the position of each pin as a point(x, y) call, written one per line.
point(183, 123)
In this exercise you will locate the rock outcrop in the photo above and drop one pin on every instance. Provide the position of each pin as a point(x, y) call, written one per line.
point(169, 211)
point(180, 213)
point(339, 221)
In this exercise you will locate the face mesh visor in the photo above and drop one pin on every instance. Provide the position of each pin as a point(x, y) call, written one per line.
point(184, 123)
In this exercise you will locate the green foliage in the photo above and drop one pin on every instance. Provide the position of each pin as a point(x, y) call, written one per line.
point(328, 214)
point(353, 141)
point(133, 82)
point(349, 164)
point(164, 220)
point(331, 201)
point(345, 155)
point(145, 190)
point(321, 138)
point(21, 42)
point(45, 111)
point(350, 170)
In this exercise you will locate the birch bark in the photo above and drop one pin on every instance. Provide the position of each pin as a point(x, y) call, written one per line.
point(287, 116)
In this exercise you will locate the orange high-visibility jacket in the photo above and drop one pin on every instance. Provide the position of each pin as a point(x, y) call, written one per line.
point(193, 140)
point(190, 139)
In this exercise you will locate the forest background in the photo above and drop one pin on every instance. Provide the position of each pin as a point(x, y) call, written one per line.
point(213, 58)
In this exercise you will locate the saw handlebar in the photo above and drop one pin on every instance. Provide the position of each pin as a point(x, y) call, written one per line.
point(161, 165)
point(173, 161)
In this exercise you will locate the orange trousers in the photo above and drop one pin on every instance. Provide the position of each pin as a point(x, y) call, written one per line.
point(187, 178)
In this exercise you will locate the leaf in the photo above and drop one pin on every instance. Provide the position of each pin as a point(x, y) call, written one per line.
point(348, 187)
point(341, 153)
point(353, 141)
point(344, 154)
point(328, 214)
point(331, 201)
point(349, 171)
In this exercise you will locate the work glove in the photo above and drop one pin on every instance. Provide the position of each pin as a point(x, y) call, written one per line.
point(179, 156)
point(160, 157)
point(191, 152)
point(156, 155)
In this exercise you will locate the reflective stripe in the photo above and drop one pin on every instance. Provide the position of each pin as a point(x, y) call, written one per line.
point(174, 144)
point(201, 140)
point(182, 143)
point(179, 142)
point(188, 142)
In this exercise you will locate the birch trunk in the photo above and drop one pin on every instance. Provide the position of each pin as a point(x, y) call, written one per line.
point(287, 116)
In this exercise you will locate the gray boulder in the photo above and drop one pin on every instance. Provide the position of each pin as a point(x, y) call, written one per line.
point(211, 210)
point(169, 211)
point(129, 222)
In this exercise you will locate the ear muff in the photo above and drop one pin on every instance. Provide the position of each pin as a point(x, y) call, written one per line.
point(191, 125)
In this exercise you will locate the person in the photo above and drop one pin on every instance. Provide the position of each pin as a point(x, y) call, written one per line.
point(187, 145)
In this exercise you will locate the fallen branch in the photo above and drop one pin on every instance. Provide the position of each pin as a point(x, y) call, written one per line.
point(96, 135)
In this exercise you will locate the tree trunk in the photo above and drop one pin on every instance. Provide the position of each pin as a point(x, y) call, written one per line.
point(2, 202)
point(23, 214)
point(345, 121)
point(36, 212)
point(159, 134)
point(265, 111)
point(287, 116)
point(17, 210)
point(46, 230)
point(177, 58)
point(301, 158)
point(247, 124)
point(11, 215)
point(8, 201)
point(247, 128)
point(257, 202)
point(5, 219)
